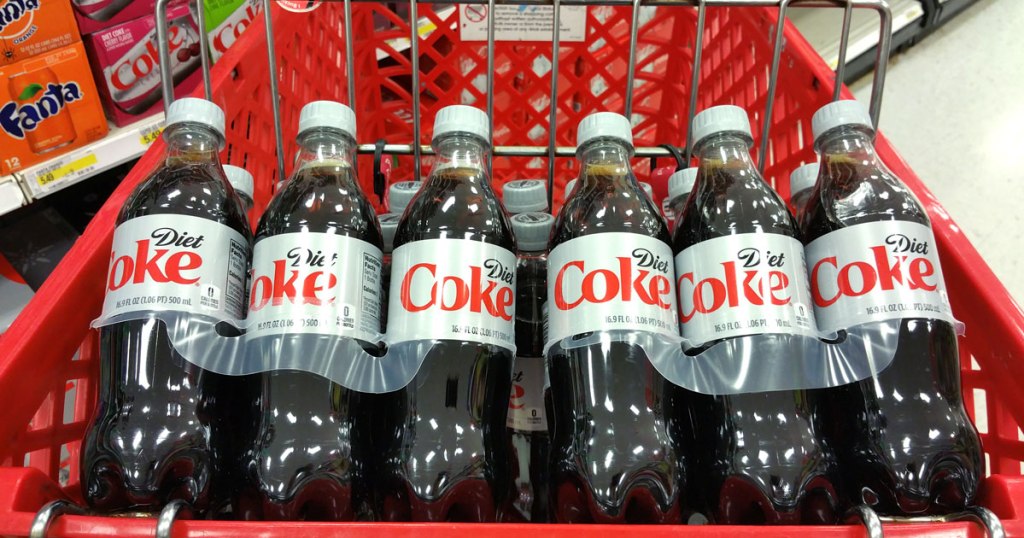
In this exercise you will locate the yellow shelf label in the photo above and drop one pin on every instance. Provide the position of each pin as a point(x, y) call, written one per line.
point(58, 171)
point(150, 134)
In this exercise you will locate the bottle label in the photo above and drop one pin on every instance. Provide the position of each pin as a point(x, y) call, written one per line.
point(177, 262)
point(315, 283)
point(452, 289)
point(874, 272)
point(610, 281)
point(737, 285)
point(526, 405)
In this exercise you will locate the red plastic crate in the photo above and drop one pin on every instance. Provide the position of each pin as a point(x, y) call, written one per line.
point(38, 361)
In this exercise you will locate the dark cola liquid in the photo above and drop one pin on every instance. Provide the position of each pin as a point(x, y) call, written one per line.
point(530, 449)
point(905, 442)
point(612, 460)
point(798, 202)
point(443, 449)
point(758, 458)
point(162, 426)
point(309, 460)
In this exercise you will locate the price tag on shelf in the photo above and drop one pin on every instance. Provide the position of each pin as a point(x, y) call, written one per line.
point(63, 168)
point(150, 134)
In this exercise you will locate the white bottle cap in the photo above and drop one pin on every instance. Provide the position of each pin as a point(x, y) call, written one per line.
point(388, 227)
point(720, 119)
point(568, 189)
point(400, 194)
point(648, 189)
point(680, 183)
point(803, 178)
point(604, 125)
point(241, 181)
point(195, 110)
point(525, 195)
point(839, 113)
point(327, 114)
point(532, 230)
point(462, 119)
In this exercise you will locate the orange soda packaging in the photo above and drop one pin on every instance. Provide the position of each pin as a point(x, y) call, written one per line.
point(32, 27)
point(48, 105)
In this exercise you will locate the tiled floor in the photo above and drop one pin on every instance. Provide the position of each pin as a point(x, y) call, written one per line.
point(954, 108)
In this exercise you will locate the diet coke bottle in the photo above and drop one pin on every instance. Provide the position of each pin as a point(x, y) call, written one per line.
point(680, 183)
point(525, 196)
point(388, 226)
point(647, 189)
point(904, 440)
point(740, 271)
point(527, 420)
point(443, 454)
point(400, 194)
point(316, 265)
point(241, 180)
point(610, 269)
point(801, 181)
point(181, 245)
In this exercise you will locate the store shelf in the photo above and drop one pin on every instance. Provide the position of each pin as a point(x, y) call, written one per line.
point(122, 144)
point(11, 195)
point(947, 9)
point(822, 29)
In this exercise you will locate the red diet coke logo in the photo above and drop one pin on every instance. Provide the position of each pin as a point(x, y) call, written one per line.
point(909, 267)
point(635, 278)
point(515, 399)
point(231, 32)
point(130, 69)
point(741, 282)
point(162, 259)
point(487, 291)
point(302, 277)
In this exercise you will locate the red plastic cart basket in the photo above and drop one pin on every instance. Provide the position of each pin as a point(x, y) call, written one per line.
point(50, 348)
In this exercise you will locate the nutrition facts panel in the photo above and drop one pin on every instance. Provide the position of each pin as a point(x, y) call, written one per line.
point(369, 306)
point(236, 288)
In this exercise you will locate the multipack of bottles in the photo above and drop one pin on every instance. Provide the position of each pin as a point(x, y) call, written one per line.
point(465, 359)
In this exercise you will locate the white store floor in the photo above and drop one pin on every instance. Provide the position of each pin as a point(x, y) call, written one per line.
point(954, 108)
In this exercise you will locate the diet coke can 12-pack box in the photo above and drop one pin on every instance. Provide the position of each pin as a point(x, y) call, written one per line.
point(226, 20)
point(126, 64)
point(96, 15)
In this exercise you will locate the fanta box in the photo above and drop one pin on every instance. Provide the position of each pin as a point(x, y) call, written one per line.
point(226, 20)
point(95, 15)
point(126, 63)
point(31, 27)
point(48, 105)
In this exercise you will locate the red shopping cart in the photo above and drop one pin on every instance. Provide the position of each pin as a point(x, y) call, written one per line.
point(631, 56)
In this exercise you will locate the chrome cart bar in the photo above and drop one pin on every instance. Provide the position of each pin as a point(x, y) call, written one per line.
point(556, 35)
point(506, 151)
point(550, 151)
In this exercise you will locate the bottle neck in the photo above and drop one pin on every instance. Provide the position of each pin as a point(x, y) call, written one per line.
point(849, 144)
point(326, 147)
point(724, 151)
point(531, 266)
point(459, 150)
point(605, 161)
point(192, 143)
